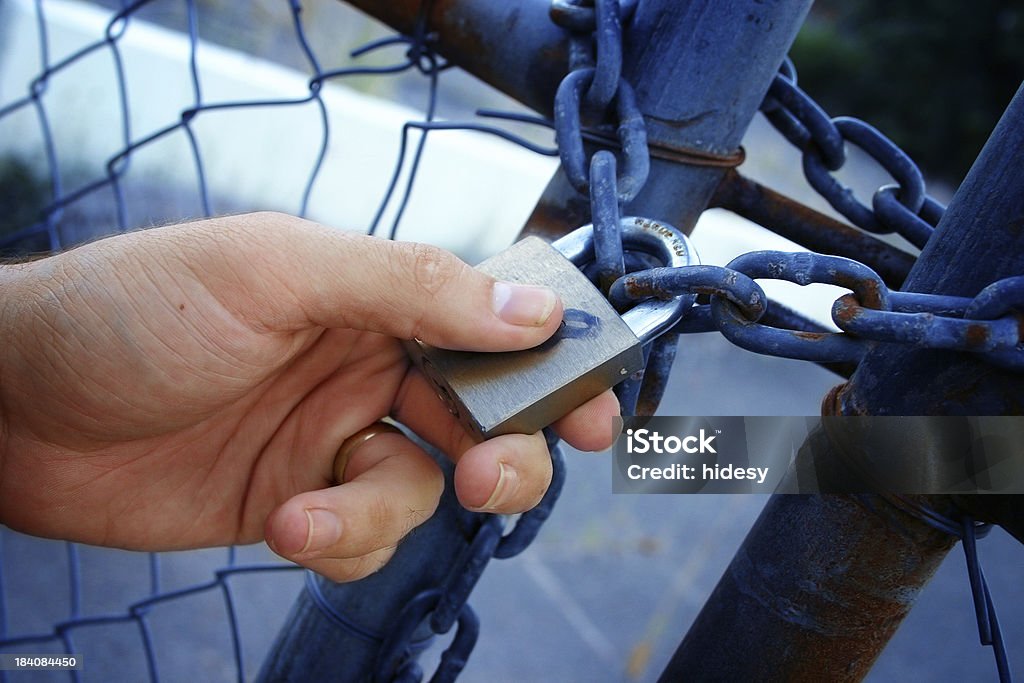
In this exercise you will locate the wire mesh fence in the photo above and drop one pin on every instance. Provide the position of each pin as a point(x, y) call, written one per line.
point(98, 134)
point(110, 122)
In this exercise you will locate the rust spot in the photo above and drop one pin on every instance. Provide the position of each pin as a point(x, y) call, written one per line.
point(809, 227)
point(871, 293)
point(847, 309)
point(977, 335)
point(552, 220)
point(811, 336)
point(832, 403)
point(846, 314)
point(868, 292)
point(964, 393)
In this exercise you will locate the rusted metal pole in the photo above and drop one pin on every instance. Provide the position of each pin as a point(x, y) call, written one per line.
point(512, 46)
point(822, 582)
point(809, 228)
point(817, 589)
point(696, 109)
point(700, 70)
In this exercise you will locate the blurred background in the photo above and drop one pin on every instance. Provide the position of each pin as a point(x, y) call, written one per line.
point(613, 582)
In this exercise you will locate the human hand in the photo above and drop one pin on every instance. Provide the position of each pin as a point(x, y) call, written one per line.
point(190, 386)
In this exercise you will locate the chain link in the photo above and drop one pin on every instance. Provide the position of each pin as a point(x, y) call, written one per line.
point(442, 607)
point(903, 208)
point(733, 303)
point(595, 93)
point(631, 134)
point(990, 323)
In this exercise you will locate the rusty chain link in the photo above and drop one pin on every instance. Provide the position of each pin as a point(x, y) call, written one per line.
point(593, 85)
point(992, 323)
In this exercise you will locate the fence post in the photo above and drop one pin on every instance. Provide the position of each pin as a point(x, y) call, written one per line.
point(701, 70)
point(822, 582)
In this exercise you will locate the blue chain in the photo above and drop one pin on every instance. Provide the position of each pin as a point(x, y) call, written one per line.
point(903, 208)
point(989, 324)
point(446, 606)
point(594, 102)
point(594, 93)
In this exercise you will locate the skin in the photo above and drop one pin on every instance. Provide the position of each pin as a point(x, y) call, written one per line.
point(189, 386)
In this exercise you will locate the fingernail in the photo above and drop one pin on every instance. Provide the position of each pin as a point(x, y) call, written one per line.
point(324, 530)
point(523, 304)
point(508, 480)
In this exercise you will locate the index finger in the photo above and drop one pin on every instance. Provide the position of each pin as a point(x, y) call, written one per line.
point(417, 405)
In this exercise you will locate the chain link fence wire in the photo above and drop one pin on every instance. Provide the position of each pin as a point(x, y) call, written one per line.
point(137, 126)
point(85, 150)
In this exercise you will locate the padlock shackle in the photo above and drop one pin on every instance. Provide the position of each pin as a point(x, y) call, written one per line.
point(660, 240)
point(651, 318)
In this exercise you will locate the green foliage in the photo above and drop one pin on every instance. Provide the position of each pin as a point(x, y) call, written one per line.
point(933, 75)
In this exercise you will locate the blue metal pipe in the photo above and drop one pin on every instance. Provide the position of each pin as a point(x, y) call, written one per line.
point(701, 70)
point(822, 582)
point(336, 630)
point(979, 240)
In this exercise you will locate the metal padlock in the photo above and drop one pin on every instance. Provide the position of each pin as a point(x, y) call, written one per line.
point(521, 392)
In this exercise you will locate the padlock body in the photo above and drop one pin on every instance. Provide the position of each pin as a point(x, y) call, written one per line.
point(521, 392)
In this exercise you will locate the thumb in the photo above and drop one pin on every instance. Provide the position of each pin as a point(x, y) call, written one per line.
point(333, 278)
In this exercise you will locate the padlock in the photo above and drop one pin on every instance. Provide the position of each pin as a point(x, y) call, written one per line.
point(521, 392)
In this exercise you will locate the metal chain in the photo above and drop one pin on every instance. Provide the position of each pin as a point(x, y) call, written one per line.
point(991, 324)
point(595, 97)
point(443, 607)
point(593, 87)
point(594, 102)
point(903, 208)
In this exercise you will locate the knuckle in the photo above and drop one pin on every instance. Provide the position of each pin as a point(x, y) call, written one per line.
point(425, 271)
point(358, 568)
point(432, 268)
point(382, 522)
point(538, 484)
point(537, 494)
